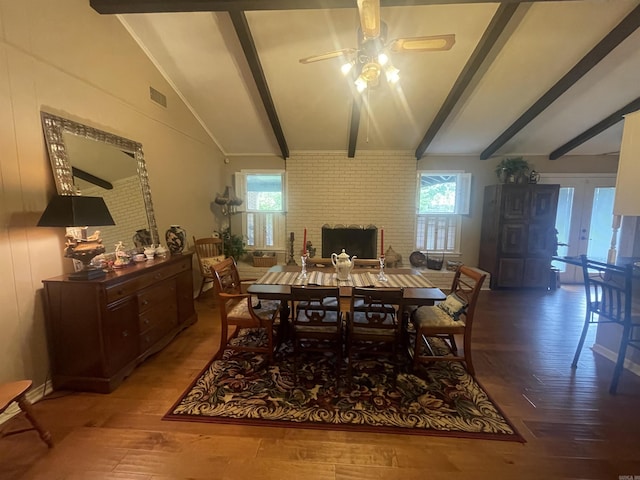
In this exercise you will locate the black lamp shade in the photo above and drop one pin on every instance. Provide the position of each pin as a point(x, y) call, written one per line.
point(76, 211)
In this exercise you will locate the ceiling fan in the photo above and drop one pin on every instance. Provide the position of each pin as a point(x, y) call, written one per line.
point(372, 57)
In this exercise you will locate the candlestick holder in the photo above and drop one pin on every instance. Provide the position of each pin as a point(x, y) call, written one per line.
point(291, 260)
point(381, 276)
point(303, 271)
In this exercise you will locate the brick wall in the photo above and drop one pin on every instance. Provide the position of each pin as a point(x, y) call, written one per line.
point(127, 208)
point(376, 188)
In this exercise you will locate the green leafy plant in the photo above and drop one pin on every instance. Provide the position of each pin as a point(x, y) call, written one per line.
point(513, 169)
point(234, 245)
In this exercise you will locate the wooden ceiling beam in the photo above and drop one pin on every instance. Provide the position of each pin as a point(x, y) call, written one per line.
point(494, 30)
point(88, 177)
point(625, 28)
point(241, 26)
point(157, 6)
point(598, 128)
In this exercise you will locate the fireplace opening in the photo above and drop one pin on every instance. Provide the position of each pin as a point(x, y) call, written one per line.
point(356, 240)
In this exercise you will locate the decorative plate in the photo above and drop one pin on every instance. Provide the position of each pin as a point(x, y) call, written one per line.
point(417, 259)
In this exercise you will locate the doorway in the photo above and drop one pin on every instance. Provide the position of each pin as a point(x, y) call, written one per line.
point(584, 218)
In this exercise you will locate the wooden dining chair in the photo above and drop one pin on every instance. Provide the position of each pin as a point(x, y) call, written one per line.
point(244, 311)
point(209, 251)
point(454, 316)
point(373, 325)
point(316, 325)
point(609, 293)
point(17, 392)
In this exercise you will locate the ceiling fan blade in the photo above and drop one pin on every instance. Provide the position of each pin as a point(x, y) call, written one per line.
point(435, 43)
point(326, 56)
point(369, 18)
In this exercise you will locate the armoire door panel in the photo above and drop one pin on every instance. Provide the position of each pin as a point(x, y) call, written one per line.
point(541, 240)
point(516, 202)
point(513, 240)
point(544, 202)
point(510, 272)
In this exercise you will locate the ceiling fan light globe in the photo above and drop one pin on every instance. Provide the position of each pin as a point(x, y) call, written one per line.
point(383, 59)
point(361, 84)
point(392, 74)
point(346, 68)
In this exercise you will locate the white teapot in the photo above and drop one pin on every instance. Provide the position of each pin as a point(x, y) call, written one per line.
point(343, 264)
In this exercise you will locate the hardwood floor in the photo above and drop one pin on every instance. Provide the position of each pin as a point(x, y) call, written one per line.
point(524, 343)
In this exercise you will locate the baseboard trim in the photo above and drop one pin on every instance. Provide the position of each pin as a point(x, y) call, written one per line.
point(613, 356)
point(34, 395)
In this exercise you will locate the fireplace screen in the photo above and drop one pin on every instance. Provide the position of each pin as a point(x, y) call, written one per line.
point(356, 240)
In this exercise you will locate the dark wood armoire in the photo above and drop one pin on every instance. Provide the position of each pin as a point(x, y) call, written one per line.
point(518, 234)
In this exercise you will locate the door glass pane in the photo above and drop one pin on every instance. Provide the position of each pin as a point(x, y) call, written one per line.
point(563, 223)
point(601, 219)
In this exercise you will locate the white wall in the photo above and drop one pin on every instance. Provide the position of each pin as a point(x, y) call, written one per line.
point(65, 58)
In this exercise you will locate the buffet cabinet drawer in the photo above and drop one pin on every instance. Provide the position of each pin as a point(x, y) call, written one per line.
point(155, 295)
point(160, 326)
point(100, 330)
point(130, 287)
point(165, 313)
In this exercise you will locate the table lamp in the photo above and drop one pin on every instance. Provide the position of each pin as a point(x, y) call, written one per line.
point(79, 211)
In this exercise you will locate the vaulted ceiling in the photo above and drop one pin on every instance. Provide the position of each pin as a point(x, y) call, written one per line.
point(523, 78)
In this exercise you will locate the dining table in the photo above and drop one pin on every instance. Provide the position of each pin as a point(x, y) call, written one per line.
point(276, 284)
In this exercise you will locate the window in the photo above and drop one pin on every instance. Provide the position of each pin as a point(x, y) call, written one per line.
point(263, 221)
point(442, 198)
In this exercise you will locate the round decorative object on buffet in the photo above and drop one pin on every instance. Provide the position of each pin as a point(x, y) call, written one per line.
point(417, 259)
point(176, 238)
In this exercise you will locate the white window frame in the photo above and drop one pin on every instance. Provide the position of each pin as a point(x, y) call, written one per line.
point(441, 232)
point(263, 221)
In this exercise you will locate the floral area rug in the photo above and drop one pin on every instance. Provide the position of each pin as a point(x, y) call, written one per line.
point(441, 399)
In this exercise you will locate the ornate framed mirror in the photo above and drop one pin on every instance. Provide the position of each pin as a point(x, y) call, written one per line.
point(92, 162)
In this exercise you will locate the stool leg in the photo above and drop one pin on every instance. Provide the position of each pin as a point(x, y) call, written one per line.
point(622, 352)
point(25, 405)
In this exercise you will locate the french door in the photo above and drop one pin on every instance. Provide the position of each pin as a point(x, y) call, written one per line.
point(584, 218)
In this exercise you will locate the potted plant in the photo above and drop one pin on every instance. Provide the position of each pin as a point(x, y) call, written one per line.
point(233, 245)
point(513, 170)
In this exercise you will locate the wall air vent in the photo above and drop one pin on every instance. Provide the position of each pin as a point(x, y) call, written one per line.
point(158, 97)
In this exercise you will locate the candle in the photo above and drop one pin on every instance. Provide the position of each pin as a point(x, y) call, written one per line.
point(291, 237)
point(382, 242)
point(304, 243)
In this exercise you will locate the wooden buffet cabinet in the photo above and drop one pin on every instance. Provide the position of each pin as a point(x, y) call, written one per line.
point(518, 234)
point(100, 330)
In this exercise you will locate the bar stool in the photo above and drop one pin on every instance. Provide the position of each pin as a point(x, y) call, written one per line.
point(17, 392)
point(609, 291)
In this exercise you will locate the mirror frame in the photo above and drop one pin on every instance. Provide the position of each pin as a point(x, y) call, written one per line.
point(54, 129)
